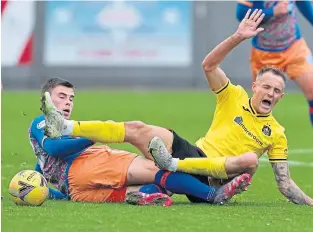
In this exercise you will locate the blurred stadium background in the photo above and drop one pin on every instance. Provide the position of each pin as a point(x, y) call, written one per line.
point(110, 49)
point(156, 44)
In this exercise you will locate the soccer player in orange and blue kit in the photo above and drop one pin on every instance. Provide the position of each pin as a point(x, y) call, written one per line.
point(281, 43)
point(82, 172)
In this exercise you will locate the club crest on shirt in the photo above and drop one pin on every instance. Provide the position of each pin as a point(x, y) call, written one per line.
point(267, 130)
point(41, 124)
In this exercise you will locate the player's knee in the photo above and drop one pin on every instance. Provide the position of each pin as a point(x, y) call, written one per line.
point(134, 130)
point(135, 125)
point(250, 160)
point(306, 84)
point(308, 91)
point(151, 167)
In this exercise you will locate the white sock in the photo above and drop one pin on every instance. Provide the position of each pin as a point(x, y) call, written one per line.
point(68, 127)
point(173, 165)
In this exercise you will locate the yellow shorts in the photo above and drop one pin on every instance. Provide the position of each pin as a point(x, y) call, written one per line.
point(295, 61)
point(99, 175)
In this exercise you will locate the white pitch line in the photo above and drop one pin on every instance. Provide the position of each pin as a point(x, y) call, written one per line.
point(307, 151)
point(291, 162)
point(301, 151)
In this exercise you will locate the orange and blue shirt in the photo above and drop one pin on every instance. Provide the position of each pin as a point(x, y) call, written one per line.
point(54, 156)
point(280, 32)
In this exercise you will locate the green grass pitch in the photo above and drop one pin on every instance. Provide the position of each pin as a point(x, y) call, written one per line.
point(261, 208)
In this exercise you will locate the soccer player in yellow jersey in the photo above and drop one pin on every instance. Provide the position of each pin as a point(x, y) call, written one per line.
point(243, 128)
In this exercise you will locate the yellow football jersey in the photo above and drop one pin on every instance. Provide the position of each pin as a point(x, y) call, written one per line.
point(237, 128)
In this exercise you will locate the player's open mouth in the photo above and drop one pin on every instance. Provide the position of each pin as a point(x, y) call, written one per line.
point(66, 112)
point(266, 103)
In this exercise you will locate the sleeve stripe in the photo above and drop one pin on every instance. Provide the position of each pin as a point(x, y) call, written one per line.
point(278, 159)
point(43, 139)
point(220, 90)
point(246, 3)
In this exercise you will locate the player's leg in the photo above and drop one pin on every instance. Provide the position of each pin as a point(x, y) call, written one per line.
point(297, 61)
point(183, 183)
point(218, 167)
point(135, 132)
point(299, 67)
point(305, 82)
point(141, 171)
point(140, 134)
point(144, 171)
point(245, 163)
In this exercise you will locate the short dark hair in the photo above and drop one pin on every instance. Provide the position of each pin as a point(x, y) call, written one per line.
point(54, 82)
point(275, 71)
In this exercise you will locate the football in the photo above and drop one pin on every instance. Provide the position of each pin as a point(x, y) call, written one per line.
point(28, 187)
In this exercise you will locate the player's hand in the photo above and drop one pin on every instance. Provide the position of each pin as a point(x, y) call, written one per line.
point(249, 25)
point(281, 8)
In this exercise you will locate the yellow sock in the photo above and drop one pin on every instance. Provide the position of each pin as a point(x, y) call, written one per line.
point(214, 167)
point(100, 131)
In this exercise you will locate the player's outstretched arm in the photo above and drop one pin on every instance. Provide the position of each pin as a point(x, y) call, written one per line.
point(247, 28)
point(287, 186)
